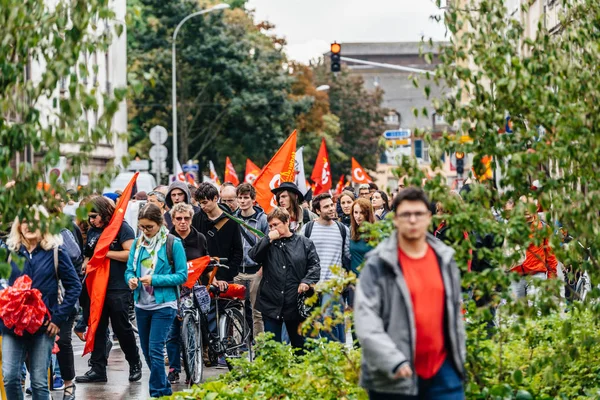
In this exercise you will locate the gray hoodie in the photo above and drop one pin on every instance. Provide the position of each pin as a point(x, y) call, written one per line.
point(181, 186)
point(384, 317)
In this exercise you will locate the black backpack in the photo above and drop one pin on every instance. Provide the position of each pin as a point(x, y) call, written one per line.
point(345, 259)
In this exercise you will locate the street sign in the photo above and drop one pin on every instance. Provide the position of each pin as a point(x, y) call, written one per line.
point(401, 142)
point(158, 152)
point(156, 164)
point(139, 165)
point(158, 135)
point(397, 134)
point(190, 168)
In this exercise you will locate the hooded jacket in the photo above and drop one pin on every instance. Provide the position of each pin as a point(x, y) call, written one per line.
point(169, 202)
point(258, 221)
point(385, 322)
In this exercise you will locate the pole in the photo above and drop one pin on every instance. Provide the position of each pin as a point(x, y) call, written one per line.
point(174, 76)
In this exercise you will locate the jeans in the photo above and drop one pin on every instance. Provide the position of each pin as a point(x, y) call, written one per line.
point(116, 307)
point(275, 325)
point(253, 316)
point(525, 287)
point(153, 328)
point(174, 345)
point(14, 351)
point(338, 332)
point(445, 385)
point(66, 361)
point(84, 303)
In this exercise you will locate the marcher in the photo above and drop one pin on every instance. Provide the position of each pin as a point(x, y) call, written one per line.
point(362, 211)
point(45, 262)
point(290, 197)
point(250, 272)
point(158, 199)
point(155, 284)
point(332, 241)
point(408, 311)
point(290, 266)
point(380, 203)
point(178, 193)
point(195, 246)
point(118, 296)
point(229, 196)
point(539, 262)
point(344, 208)
point(364, 191)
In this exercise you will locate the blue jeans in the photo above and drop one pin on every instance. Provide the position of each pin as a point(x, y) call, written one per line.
point(153, 327)
point(174, 345)
point(445, 385)
point(275, 327)
point(338, 332)
point(14, 351)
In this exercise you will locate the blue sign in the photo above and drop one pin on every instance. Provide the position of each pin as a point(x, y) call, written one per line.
point(397, 134)
point(190, 168)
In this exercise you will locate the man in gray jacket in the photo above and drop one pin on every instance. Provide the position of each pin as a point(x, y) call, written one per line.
point(408, 311)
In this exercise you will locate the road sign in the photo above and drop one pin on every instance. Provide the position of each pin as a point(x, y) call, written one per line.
point(397, 134)
point(139, 165)
point(156, 164)
point(401, 142)
point(190, 168)
point(158, 135)
point(158, 152)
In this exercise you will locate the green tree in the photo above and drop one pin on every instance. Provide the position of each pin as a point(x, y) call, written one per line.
point(34, 115)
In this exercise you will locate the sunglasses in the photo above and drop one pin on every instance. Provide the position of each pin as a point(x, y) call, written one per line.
point(146, 228)
point(186, 219)
point(92, 216)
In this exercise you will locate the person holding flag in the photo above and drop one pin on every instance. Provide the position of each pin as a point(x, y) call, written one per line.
point(154, 273)
point(108, 243)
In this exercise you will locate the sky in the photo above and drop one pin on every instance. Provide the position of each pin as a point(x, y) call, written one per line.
point(310, 26)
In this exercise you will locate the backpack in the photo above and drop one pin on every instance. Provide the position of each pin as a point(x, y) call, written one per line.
point(305, 216)
point(345, 259)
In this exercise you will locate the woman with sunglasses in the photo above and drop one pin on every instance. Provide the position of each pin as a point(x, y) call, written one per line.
point(194, 244)
point(155, 284)
point(118, 295)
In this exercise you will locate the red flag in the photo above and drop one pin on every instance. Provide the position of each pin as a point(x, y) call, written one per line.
point(195, 268)
point(281, 168)
point(252, 171)
point(339, 188)
point(98, 268)
point(321, 174)
point(359, 175)
point(230, 175)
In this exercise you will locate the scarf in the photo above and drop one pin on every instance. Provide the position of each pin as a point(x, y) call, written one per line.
point(152, 246)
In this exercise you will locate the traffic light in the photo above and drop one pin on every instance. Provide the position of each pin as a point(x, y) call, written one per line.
point(336, 61)
point(460, 162)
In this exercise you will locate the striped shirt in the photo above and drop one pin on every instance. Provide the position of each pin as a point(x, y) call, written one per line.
point(328, 242)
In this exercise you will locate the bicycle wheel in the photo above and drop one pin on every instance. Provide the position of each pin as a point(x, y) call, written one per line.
point(191, 336)
point(236, 336)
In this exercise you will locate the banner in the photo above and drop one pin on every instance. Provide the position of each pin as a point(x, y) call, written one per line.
point(195, 268)
point(230, 175)
point(359, 175)
point(321, 174)
point(98, 268)
point(299, 168)
point(252, 171)
point(279, 169)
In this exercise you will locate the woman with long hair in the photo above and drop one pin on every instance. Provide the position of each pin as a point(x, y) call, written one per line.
point(288, 196)
point(345, 207)
point(155, 284)
point(46, 264)
point(362, 212)
point(381, 204)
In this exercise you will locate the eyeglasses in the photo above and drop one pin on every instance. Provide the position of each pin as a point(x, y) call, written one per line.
point(186, 219)
point(408, 215)
point(92, 216)
point(228, 200)
point(146, 228)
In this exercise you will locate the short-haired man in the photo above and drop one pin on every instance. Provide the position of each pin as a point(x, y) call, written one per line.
point(332, 241)
point(250, 272)
point(364, 191)
point(408, 311)
point(229, 196)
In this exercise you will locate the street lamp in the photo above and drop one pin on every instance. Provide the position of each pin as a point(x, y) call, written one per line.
point(174, 77)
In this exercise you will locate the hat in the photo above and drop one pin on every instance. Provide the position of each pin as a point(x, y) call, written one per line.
point(289, 187)
point(113, 196)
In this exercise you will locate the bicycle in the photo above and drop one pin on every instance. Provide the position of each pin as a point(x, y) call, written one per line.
point(232, 339)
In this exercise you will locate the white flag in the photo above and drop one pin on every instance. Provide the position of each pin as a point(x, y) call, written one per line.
point(300, 176)
point(214, 178)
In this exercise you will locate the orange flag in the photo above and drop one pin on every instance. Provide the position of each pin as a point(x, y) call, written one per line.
point(339, 188)
point(98, 268)
point(281, 168)
point(230, 175)
point(321, 174)
point(195, 268)
point(252, 171)
point(359, 175)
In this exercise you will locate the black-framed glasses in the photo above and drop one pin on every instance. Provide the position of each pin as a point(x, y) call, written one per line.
point(92, 216)
point(146, 228)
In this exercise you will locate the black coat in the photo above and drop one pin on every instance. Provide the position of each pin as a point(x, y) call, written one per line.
point(286, 263)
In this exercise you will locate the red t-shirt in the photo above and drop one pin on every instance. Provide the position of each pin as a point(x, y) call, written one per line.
point(424, 280)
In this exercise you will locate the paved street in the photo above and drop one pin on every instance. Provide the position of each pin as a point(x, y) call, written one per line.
point(118, 387)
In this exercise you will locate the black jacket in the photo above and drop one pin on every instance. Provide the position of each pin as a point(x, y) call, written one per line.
point(226, 242)
point(286, 263)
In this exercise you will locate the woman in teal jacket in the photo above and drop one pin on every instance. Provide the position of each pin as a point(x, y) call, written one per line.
point(154, 282)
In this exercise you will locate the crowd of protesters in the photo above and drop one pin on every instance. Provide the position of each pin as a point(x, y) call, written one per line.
point(407, 313)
